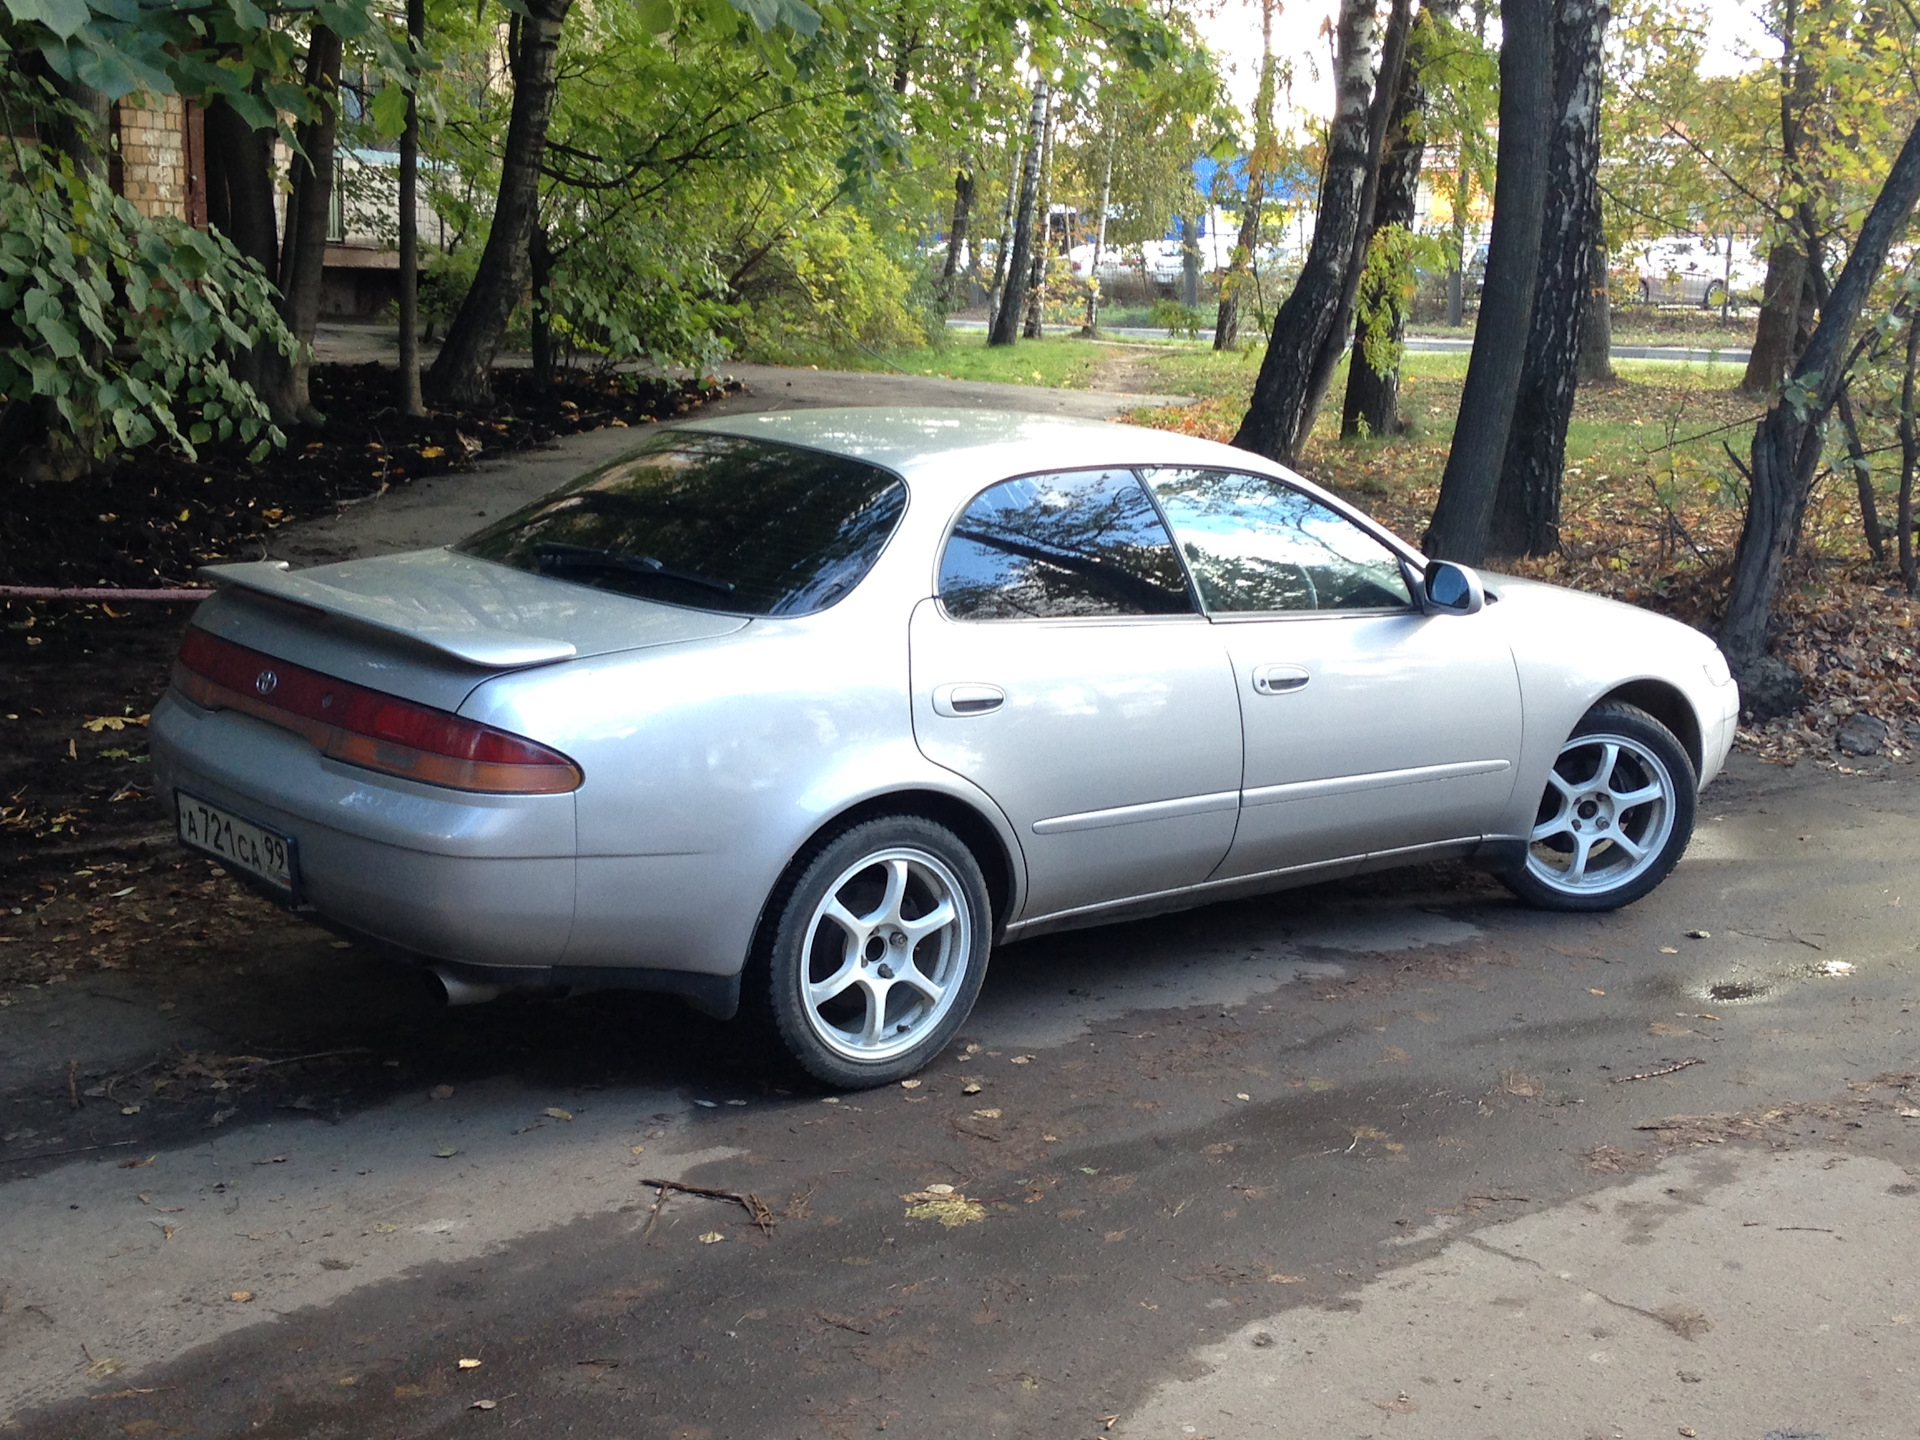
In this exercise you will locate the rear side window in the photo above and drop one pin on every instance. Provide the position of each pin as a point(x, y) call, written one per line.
point(710, 522)
point(1076, 543)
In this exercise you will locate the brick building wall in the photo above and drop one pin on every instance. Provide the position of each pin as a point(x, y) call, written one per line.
point(155, 164)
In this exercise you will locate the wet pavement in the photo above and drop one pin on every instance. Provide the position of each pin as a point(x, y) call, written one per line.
point(1348, 1161)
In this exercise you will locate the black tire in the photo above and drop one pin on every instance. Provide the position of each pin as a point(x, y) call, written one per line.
point(1715, 297)
point(1582, 819)
point(1646, 292)
point(890, 877)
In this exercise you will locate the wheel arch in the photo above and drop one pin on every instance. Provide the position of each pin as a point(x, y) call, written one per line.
point(1670, 707)
point(998, 864)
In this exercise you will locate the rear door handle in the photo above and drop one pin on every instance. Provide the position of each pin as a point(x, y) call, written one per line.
point(967, 698)
point(1278, 679)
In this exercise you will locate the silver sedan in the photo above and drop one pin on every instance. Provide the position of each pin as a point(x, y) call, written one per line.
point(806, 711)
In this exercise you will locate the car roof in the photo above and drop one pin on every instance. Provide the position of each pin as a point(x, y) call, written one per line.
point(933, 443)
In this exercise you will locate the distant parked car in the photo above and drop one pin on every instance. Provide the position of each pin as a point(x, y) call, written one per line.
point(1694, 270)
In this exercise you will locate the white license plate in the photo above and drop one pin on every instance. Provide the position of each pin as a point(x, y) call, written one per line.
point(240, 843)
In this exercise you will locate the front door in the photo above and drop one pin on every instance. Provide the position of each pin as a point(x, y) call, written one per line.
point(1065, 669)
point(1370, 726)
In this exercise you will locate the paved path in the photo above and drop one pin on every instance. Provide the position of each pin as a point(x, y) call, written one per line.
point(1440, 344)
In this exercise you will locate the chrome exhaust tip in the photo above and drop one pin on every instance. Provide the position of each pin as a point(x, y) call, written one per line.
point(449, 988)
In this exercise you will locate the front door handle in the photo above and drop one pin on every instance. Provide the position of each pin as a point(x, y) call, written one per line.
point(1278, 679)
point(967, 699)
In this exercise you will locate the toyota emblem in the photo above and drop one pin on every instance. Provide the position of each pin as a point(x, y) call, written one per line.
point(265, 682)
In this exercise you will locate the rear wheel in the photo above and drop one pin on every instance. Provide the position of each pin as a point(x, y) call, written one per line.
point(878, 950)
point(1616, 814)
point(1715, 297)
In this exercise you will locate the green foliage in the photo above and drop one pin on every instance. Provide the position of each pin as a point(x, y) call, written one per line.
point(1177, 319)
point(118, 320)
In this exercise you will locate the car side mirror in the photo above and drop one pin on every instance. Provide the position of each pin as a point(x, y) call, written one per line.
point(1451, 589)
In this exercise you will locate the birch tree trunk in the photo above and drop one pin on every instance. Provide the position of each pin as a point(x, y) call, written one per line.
point(1526, 509)
point(1460, 520)
point(461, 374)
point(1309, 333)
point(1092, 328)
point(1373, 397)
point(1006, 320)
point(1043, 251)
point(1787, 442)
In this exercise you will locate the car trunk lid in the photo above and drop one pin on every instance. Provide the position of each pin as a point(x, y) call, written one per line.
point(431, 625)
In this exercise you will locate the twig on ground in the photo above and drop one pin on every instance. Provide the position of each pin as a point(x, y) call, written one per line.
point(1656, 1074)
point(756, 1208)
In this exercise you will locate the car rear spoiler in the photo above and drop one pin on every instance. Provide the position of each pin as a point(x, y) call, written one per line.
point(498, 650)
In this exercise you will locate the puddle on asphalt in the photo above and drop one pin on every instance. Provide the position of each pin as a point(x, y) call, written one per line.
point(1729, 990)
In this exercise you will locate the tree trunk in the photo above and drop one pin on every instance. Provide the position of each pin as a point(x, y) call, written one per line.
point(1373, 398)
point(1092, 328)
point(1189, 262)
point(540, 281)
point(1043, 252)
point(996, 288)
point(240, 202)
point(1787, 442)
point(1777, 331)
point(1311, 329)
point(1909, 457)
point(1226, 323)
point(309, 208)
point(1006, 320)
point(460, 376)
point(963, 188)
point(1460, 520)
point(1596, 323)
point(1863, 482)
point(410, 401)
point(1526, 508)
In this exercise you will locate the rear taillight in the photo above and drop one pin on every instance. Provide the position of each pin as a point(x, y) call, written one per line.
point(368, 727)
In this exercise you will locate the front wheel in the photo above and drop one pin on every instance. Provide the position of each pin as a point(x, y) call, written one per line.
point(1615, 817)
point(878, 950)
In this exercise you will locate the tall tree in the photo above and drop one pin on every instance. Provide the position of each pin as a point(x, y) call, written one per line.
point(1006, 320)
point(1787, 301)
point(1460, 519)
point(1310, 331)
point(1034, 325)
point(460, 373)
point(1526, 510)
point(1260, 161)
point(1788, 441)
point(1386, 283)
point(411, 402)
point(309, 210)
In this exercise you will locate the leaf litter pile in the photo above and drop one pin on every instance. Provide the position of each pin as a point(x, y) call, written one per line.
point(1651, 514)
point(78, 821)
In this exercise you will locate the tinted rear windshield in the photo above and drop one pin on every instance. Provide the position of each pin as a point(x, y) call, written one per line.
point(712, 522)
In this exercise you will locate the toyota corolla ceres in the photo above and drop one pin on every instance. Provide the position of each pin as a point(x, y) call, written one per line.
point(808, 710)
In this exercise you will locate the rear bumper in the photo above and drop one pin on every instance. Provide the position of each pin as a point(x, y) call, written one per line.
point(483, 879)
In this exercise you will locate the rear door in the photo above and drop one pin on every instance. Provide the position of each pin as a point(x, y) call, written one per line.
point(1065, 669)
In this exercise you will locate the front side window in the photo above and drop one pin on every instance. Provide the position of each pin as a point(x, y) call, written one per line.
point(1255, 544)
point(711, 522)
point(1071, 544)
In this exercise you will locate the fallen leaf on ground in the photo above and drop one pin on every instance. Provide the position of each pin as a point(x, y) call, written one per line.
point(469, 1365)
point(1700, 934)
point(1286, 1279)
point(992, 1113)
point(909, 1084)
point(1662, 1027)
point(972, 1087)
point(1592, 991)
point(712, 1237)
point(1021, 1060)
point(483, 1405)
point(944, 1204)
point(554, 1112)
point(1669, 950)
point(241, 1297)
point(445, 1152)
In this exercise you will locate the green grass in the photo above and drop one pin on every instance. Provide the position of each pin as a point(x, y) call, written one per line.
point(1055, 363)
